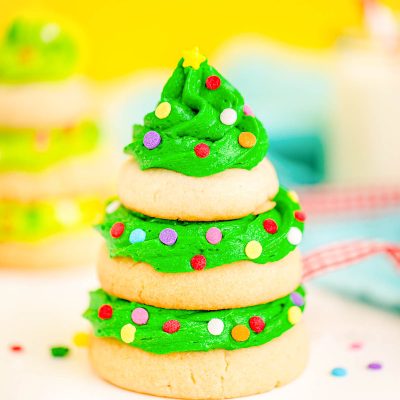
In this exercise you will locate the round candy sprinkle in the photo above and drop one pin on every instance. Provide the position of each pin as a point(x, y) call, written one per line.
point(270, 226)
point(375, 366)
point(240, 333)
point(294, 315)
point(247, 110)
point(163, 110)
point(247, 140)
point(117, 230)
point(214, 235)
point(137, 235)
point(151, 140)
point(293, 196)
point(339, 372)
point(113, 206)
point(213, 82)
point(202, 150)
point(297, 299)
point(171, 326)
point(59, 351)
point(128, 333)
point(198, 262)
point(81, 339)
point(215, 326)
point(16, 348)
point(105, 311)
point(257, 324)
point(294, 236)
point(228, 116)
point(300, 215)
point(356, 346)
point(140, 316)
point(253, 249)
point(168, 236)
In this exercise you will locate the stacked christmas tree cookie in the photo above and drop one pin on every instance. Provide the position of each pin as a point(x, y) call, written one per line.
point(52, 173)
point(201, 277)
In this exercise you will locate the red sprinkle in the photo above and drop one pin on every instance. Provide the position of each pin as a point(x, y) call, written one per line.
point(105, 311)
point(198, 262)
point(300, 216)
point(213, 82)
point(16, 348)
point(202, 150)
point(257, 324)
point(270, 226)
point(117, 229)
point(171, 326)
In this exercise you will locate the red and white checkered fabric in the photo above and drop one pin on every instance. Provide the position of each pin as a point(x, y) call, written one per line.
point(339, 255)
point(332, 199)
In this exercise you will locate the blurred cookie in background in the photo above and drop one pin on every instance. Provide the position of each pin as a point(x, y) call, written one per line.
point(55, 166)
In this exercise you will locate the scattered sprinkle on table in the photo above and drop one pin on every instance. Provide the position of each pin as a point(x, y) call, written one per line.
point(59, 351)
point(16, 348)
point(339, 372)
point(375, 366)
point(81, 339)
point(356, 346)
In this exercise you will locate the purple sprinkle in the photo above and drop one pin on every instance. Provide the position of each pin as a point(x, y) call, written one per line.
point(375, 366)
point(168, 236)
point(297, 299)
point(151, 140)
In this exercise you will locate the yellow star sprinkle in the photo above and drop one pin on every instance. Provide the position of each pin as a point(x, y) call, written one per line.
point(193, 58)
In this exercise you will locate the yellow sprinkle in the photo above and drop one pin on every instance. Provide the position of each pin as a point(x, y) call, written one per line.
point(163, 110)
point(81, 339)
point(294, 315)
point(128, 333)
point(293, 196)
point(253, 249)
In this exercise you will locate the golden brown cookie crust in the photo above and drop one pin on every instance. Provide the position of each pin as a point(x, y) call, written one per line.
point(166, 194)
point(239, 284)
point(215, 374)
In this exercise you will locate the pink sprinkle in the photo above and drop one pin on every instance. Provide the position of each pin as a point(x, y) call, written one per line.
point(140, 316)
point(356, 346)
point(247, 110)
point(214, 235)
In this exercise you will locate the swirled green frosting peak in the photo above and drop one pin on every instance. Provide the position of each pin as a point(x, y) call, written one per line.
point(36, 51)
point(201, 125)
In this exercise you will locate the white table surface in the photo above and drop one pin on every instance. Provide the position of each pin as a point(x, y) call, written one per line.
point(42, 309)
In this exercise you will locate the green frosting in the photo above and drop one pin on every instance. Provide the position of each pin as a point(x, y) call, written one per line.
point(35, 51)
point(194, 119)
point(193, 334)
point(37, 220)
point(34, 150)
point(191, 241)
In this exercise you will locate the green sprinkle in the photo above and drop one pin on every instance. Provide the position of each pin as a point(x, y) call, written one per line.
point(59, 351)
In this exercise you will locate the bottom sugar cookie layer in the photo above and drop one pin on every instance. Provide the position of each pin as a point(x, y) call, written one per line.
point(162, 331)
point(40, 219)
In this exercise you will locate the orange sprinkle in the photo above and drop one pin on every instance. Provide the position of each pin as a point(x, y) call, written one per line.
point(240, 333)
point(247, 140)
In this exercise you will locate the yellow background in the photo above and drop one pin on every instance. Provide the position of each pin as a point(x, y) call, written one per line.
point(123, 36)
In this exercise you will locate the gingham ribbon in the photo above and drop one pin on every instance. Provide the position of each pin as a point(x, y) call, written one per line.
point(338, 255)
point(332, 199)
